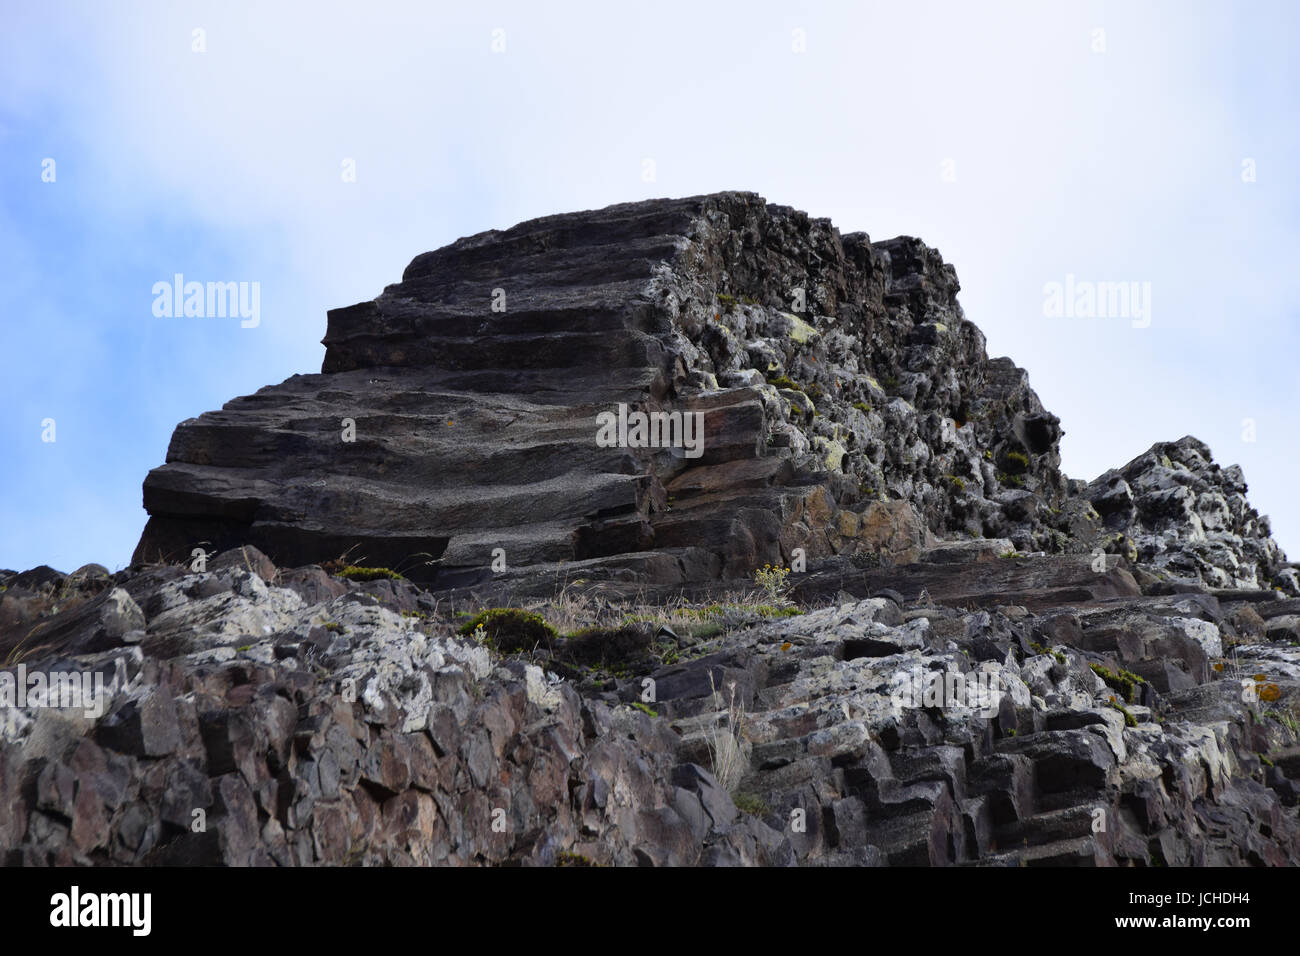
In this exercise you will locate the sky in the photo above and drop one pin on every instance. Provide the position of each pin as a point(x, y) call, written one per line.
point(1137, 142)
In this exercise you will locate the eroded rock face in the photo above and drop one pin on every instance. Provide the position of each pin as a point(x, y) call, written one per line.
point(248, 723)
point(456, 416)
point(989, 663)
point(1189, 519)
point(833, 375)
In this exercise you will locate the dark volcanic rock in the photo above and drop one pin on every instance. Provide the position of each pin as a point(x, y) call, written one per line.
point(835, 376)
point(989, 663)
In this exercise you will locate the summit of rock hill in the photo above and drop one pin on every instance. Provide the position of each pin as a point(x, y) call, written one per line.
point(680, 532)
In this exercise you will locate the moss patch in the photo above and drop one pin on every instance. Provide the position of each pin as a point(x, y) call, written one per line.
point(355, 572)
point(1125, 682)
point(508, 630)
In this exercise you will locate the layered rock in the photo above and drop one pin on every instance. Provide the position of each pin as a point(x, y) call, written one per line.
point(255, 716)
point(836, 377)
point(1140, 633)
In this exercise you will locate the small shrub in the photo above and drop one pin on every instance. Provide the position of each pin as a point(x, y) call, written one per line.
point(508, 630)
point(773, 582)
point(863, 407)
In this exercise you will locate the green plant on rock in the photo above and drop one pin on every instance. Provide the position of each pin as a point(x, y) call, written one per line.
point(355, 572)
point(1016, 462)
point(649, 712)
point(1125, 682)
point(750, 803)
point(773, 582)
point(863, 407)
point(509, 630)
point(1129, 719)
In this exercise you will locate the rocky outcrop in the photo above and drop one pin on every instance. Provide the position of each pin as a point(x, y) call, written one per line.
point(975, 661)
point(246, 721)
point(1188, 519)
point(834, 376)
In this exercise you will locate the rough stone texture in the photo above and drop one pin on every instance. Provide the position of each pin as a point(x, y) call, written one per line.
point(475, 428)
point(1141, 631)
point(250, 727)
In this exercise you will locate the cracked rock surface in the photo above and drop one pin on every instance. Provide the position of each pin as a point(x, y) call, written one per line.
point(977, 659)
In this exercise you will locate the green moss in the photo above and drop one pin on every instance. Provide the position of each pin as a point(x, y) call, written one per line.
point(1124, 682)
point(508, 630)
point(1060, 658)
point(768, 610)
point(958, 484)
point(356, 573)
point(1016, 462)
point(795, 409)
point(572, 859)
point(863, 407)
point(644, 709)
point(783, 381)
point(1264, 760)
point(1129, 719)
point(245, 647)
point(750, 803)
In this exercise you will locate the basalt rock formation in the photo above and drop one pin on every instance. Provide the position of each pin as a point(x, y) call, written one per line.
point(848, 408)
point(1140, 632)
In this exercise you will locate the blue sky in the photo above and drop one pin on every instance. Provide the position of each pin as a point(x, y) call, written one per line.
point(998, 132)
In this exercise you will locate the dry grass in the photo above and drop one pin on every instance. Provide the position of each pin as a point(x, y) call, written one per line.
point(726, 752)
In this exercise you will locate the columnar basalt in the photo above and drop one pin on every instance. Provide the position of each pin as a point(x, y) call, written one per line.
point(616, 418)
